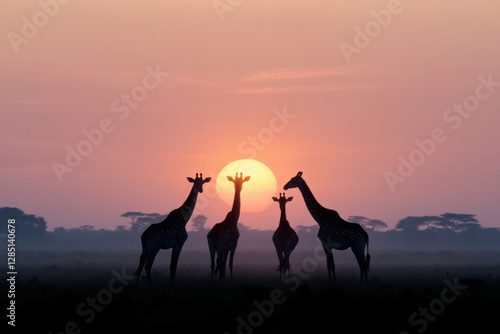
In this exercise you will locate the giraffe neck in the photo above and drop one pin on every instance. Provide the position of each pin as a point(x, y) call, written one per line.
point(188, 206)
point(235, 210)
point(315, 209)
point(283, 221)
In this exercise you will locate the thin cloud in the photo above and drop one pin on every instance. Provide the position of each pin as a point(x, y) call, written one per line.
point(296, 73)
point(206, 79)
point(300, 89)
point(276, 81)
point(35, 102)
point(298, 80)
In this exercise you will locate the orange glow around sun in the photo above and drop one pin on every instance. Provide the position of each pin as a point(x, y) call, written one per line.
point(257, 192)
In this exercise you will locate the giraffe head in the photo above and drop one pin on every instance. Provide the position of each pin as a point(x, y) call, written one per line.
point(294, 182)
point(282, 200)
point(199, 181)
point(238, 181)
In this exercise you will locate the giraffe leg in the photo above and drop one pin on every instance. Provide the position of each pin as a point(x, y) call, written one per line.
point(330, 264)
point(290, 246)
point(150, 258)
point(142, 259)
point(212, 248)
point(221, 263)
point(286, 262)
point(359, 252)
point(176, 251)
point(231, 257)
point(222, 269)
point(218, 262)
point(137, 273)
point(280, 258)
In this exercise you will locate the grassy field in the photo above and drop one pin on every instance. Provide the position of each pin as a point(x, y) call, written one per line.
point(93, 292)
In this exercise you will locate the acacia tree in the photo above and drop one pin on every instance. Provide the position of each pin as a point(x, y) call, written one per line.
point(375, 224)
point(459, 222)
point(448, 221)
point(412, 223)
point(306, 228)
point(370, 224)
point(28, 225)
point(86, 228)
point(133, 215)
point(199, 223)
point(140, 220)
point(143, 222)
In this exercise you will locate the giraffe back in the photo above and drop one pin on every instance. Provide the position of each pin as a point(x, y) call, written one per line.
point(166, 234)
point(285, 234)
point(338, 233)
point(225, 234)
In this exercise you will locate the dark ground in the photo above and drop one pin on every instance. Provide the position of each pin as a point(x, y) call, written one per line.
point(78, 292)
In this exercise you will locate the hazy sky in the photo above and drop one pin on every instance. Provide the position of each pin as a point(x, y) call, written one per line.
point(360, 81)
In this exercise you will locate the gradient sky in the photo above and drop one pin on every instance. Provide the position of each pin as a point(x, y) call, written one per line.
point(227, 79)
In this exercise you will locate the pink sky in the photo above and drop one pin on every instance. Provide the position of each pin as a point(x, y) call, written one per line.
point(354, 116)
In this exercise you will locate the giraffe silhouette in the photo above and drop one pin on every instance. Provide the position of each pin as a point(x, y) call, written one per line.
point(170, 233)
point(223, 237)
point(334, 232)
point(284, 238)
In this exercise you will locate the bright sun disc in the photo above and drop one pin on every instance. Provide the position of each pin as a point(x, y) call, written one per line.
point(256, 194)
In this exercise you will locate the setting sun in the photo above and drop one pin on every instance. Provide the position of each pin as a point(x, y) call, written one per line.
point(256, 194)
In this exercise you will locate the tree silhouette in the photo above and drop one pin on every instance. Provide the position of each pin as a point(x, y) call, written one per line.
point(133, 215)
point(456, 222)
point(306, 229)
point(140, 220)
point(459, 222)
point(199, 223)
point(87, 228)
point(371, 224)
point(60, 229)
point(412, 223)
point(28, 225)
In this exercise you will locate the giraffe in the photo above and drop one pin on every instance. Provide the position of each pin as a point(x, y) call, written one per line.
point(223, 237)
point(334, 232)
point(284, 238)
point(170, 233)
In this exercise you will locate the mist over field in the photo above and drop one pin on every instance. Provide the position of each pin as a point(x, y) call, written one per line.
point(85, 277)
point(75, 285)
point(466, 244)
